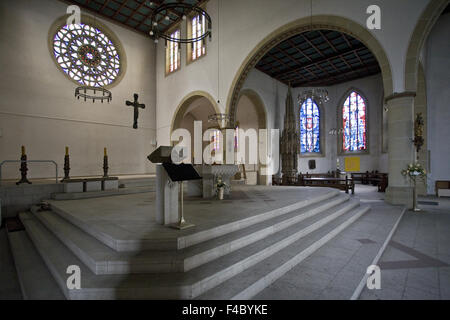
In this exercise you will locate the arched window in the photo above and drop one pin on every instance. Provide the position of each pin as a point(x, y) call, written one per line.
point(354, 123)
point(309, 127)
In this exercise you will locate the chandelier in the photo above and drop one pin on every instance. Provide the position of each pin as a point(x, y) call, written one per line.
point(174, 7)
point(317, 94)
point(222, 119)
point(93, 93)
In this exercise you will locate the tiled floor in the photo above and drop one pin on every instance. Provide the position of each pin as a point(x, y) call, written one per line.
point(415, 264)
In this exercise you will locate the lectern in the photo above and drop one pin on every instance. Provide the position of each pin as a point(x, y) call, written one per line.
point(169, 211)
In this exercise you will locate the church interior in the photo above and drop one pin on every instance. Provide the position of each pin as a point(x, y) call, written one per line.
point(224, 150)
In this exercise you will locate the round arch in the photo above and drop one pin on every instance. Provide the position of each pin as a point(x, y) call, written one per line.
point(328, 22)
point(257, 101)
point(339, 122)
point(184, 104)
point(423, 27)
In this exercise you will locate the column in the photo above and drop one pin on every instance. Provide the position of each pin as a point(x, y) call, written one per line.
point(400, 147)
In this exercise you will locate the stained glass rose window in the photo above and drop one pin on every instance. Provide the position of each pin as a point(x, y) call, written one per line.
point(86, 55)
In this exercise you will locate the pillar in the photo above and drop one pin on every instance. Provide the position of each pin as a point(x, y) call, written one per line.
point(400, 147)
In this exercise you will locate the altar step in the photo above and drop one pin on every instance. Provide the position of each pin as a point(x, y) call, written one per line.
point(264, 259)
point(100, 194)
point(36, 282)
point(102, 259)
point(137, 182)
point(191, 239)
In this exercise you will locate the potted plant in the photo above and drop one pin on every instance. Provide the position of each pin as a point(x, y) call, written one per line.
point(414, 171)
point(220, 187)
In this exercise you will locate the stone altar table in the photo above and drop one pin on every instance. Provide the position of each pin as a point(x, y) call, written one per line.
point(205, 187)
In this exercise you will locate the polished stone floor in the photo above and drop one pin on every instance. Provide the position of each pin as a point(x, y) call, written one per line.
point(415, 264)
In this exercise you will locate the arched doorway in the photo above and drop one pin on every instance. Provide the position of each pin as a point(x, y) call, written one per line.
point(197, 106)
point(424, 25)
point(251, 114)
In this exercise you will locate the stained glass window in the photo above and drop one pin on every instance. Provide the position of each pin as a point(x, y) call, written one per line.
point(309, 127)
point(216, 140)
point(173, 53)
point(354, 123)
point(86, 55)
point(198, 29)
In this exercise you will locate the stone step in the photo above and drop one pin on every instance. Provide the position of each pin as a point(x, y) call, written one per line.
point(99, 194)
point(165, 285)
point(137, 182)
point(104, 260)
point(188, 238)
point(35, 280)
point(253, 280)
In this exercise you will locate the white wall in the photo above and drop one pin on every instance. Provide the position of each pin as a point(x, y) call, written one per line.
point(438, 95)
point(38, 108)
point(244, 24)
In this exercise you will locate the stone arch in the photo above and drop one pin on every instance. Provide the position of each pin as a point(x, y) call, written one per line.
point(184, 104)
point(341, 101)
point(257, 101)
point(328, 22)
point(261, 112)
point(423, 27)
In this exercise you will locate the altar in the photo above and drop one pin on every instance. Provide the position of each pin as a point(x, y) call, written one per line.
point(206, 187)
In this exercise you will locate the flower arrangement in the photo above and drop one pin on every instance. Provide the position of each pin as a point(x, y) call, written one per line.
point(220, 187)
point(414, 170)
point(220, 184)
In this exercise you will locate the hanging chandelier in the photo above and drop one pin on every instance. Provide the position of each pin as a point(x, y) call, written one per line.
point(93, 93)
point(222, 119)
point(164, 10)
point(317, 94)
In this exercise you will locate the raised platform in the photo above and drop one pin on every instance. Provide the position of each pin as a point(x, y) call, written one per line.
point(124, 254)
point(127, 223)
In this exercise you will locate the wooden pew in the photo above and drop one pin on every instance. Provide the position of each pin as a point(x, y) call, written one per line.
point(345, 184)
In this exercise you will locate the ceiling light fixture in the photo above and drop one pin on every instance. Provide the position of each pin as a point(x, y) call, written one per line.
point(164, 10)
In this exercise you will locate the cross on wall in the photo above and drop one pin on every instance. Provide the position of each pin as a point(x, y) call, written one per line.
point(136, 105)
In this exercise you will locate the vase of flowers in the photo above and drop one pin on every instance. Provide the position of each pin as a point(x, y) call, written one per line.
point(414, 171)
point(220, 187)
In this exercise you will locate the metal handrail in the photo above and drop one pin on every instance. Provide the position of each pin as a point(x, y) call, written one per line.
point(13, 161)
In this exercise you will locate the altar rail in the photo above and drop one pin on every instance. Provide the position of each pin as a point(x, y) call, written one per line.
point(35, 161)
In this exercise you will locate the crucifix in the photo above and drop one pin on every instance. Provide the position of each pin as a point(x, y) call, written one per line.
point(136, 105)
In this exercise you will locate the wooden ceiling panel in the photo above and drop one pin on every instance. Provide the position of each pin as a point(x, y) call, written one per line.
point(134, 13)
point(319, 58)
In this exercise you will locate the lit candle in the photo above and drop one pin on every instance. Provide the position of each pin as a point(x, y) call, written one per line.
point(23, 150)
point(67, 151)
point(106, 153)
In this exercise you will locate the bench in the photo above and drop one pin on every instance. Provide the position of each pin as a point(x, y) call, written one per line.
point(91, 184)
point(345, 184)
point(375, 178)
point(442, 188)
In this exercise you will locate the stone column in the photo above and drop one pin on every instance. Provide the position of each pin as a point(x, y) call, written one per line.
point(400, 147)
